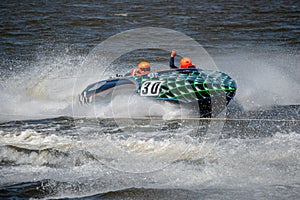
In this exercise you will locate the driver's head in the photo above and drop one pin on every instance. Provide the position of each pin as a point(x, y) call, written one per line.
point(144, 68)
point(186, 63)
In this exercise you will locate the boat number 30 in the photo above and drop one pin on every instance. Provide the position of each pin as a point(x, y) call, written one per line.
point(151, 88)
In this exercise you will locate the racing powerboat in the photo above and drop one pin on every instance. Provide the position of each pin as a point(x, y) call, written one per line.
point(208, 90)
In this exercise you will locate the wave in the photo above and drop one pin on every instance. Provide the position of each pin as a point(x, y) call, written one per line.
point(233, 165)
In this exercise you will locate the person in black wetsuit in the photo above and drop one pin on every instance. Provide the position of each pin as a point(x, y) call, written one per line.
point(204, 106)
point(184, 62)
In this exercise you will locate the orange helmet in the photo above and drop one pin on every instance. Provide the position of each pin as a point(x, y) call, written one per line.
point(143, 68)
point(185, 63)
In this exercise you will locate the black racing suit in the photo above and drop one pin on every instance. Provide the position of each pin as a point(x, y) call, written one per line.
point(172, 65)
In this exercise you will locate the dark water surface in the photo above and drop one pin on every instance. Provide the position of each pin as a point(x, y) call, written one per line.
point(53, 148)
point(27, 25)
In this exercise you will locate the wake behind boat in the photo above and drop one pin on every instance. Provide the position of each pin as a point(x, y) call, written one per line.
point(188, 87)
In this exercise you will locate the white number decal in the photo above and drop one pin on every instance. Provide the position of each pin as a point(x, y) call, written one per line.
point(151, 88)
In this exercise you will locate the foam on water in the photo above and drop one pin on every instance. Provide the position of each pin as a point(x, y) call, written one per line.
point(90, 160)
point(265, 76)
point(46, 89)
point(100, 163)
point(50, 86)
